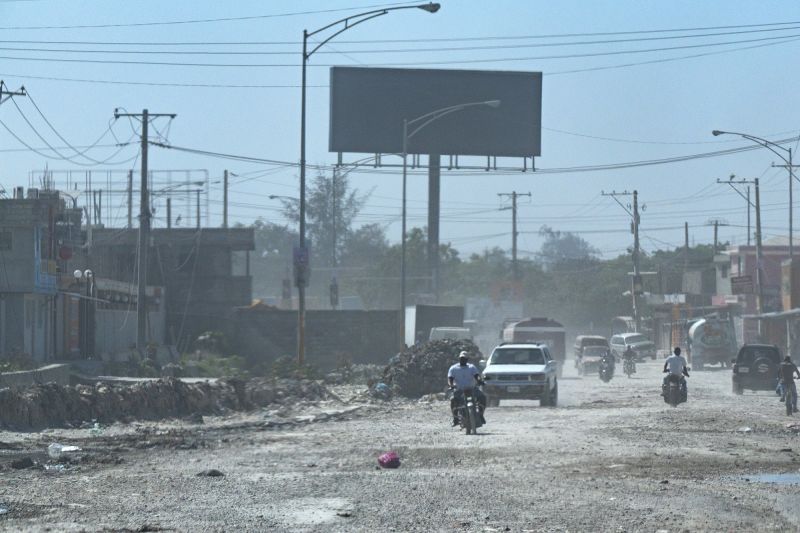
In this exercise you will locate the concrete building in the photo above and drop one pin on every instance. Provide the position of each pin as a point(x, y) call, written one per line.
point(194, 266)
point(37, 232)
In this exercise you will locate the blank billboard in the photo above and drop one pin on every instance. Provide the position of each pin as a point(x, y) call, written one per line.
point(368, 106)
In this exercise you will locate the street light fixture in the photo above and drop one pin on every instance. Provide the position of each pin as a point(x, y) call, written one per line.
point(348, 23)
point(418, 124)
point(771, 146)
point(85, 317)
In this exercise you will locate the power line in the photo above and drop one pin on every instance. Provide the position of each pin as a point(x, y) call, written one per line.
point(198, 21)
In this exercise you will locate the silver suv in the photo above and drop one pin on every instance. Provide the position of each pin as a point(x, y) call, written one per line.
point(521, 371)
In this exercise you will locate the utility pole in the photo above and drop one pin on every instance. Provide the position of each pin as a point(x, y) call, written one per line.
point(144, 229)
point(225, 200)
point(790, 167)
point(759, 251)
point(130, 199)
point(716, 235)
point(514, 233)
point(169, 213)
point(636, 280)
point(748, 215)
point(685, 247)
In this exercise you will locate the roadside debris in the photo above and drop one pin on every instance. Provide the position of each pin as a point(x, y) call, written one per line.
point(22, 463)
point(3, 509)
point(52, 405)
point(57, 450)
point(389, 460)
point(422, 369)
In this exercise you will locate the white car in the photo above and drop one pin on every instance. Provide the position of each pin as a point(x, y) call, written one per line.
point(523, 372)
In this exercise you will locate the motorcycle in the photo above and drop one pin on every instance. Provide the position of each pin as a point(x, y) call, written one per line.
point(629, 367)
point(468, 412)
point(606, 368)
point(674, 390)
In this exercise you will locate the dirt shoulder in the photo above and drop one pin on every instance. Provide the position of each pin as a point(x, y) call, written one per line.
point(611, 456)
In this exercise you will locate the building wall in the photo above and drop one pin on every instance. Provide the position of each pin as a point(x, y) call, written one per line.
point(359, 336)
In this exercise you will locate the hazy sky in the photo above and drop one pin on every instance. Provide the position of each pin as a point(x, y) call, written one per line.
point(618, 88)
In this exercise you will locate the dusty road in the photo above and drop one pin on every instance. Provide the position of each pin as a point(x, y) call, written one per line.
point(610, 457)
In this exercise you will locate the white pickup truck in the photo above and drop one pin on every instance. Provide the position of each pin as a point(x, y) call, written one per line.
point(523, 372)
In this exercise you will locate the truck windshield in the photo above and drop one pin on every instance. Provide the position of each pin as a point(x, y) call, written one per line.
point(517, 356)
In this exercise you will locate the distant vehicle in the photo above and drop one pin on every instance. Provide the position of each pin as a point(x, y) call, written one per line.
point(419, 319)
point(442, 332)
point(590, 361)
point(622, 324)
point(642, 346)
point(583, 341)
point(523, 371)
point(712, 341)
point(756, 367)
point(544, 331)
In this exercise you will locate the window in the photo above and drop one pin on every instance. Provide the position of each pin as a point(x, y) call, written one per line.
point(724, 271)
point(5, 240)
point(511, 356)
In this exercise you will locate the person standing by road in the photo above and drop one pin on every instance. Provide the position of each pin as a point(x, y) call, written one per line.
point(787, 371)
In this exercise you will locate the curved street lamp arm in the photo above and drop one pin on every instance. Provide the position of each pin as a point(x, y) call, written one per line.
point(363, 17)
point(372, 15)
point(433, 117)
point(758, 140)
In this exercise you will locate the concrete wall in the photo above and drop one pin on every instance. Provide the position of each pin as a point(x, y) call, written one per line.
point(115, 330)
point(361, 336)
point(46, 374)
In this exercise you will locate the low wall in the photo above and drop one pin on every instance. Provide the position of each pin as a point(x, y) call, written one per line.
point(360, 336)
point(58, 374)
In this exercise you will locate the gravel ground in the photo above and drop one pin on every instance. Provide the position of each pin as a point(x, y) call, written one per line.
point(611, 456)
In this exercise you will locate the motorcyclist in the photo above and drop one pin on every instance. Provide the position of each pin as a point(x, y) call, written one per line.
point(609, 360)
point(629, 356)
point(787, 372)
point(675, 365)
point(460, 377)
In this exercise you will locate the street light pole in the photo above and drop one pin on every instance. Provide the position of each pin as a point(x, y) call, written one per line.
point(348, 23)
point(771, 146)
point(423, 121)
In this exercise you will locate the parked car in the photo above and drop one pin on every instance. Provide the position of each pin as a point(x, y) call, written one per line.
point(756, 367)
point(521, 371)
point(642, 346)
point(590, 361)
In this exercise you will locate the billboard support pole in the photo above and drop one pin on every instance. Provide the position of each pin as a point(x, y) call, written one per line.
point(434, 196)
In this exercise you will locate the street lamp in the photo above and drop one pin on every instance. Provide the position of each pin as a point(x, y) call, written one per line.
point(348, 23)
point(418, 124)
point(771, 146)
point(85, 326)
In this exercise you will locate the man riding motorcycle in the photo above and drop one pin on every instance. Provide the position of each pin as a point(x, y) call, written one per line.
point(675, 365)
point(462, 376)
point(629, 356)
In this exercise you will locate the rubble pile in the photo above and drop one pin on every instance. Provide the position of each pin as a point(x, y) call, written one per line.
point(422, 369)
point(52, 405)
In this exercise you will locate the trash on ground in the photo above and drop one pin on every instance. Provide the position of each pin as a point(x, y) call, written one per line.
point(422, 369)
point(389, 460)
point(57, 450)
